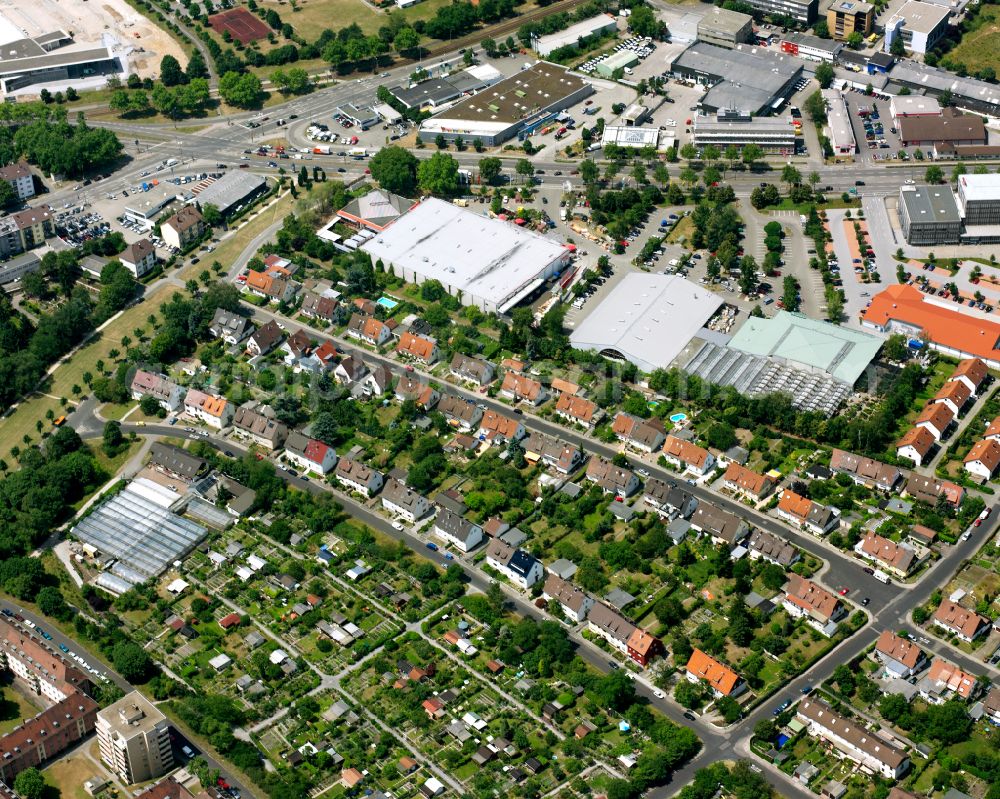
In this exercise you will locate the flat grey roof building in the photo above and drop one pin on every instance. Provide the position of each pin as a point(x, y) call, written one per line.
point(930, 204)
point(746, 78)
point(232, 189)
point(647, 319)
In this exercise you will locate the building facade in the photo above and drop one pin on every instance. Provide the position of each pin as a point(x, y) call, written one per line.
point(134, 739)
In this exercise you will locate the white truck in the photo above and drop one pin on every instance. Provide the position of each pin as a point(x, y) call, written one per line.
point(882, 577)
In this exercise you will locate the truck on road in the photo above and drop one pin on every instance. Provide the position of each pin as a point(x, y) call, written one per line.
point(321, 150)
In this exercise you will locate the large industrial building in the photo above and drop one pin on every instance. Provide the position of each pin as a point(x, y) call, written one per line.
point(951, 126)
point(232, 191)
point(134, 739)
point(970, 93)
point(516, 106)
point(921, 25)
point(772, 134)
point(438, 92)
point(749, 79)
point(595, 26)
point(486, 262)
point(50, 58)
point(929, 215)
point(815, 363)
point(960, 334)
point(136, 535)
point(647, 319)
point(725, 28)
point(838, 124)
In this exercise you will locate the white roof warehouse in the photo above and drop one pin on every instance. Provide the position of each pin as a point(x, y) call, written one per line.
point(487, 262)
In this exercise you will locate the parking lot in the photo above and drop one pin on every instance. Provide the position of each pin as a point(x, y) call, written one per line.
point(873, 126)
point(642, 48)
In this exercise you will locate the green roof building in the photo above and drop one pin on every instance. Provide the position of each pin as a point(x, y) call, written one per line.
point(808, 344)
point(620, 60)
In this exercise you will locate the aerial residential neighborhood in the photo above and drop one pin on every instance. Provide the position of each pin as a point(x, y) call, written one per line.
point(575, 400)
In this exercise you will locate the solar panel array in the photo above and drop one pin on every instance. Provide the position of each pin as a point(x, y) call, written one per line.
point(755, 376)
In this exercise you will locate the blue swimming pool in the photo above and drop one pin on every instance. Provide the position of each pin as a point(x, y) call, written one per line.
point(387, 303)
point(678, 417)
point(782, 740)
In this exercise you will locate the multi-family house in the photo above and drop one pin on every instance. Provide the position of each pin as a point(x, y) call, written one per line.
point(183, 228)
point(518, 566)
point(944, 681)
point(858, 744)
point(422, 393)
point(964, 624)
point(611, 478)
point(319, 306)
point(368, 329)
point(462, 414)
point(357, 476)
point(645, 435)
point(472, 370)
point(573, 600)
point(806, 514)
point(350, 371)
point(896, 558)
point(901, 657)
point(746, 482)
point(723, 681)
point(669, 499)
point(558, 455)
point(955, 394)
point(627, 638)
point(148, 384)
point(498, 429)
point(139, 258)
point(972, 372)
point(578, 410)
point(521, 388)
point(20, 178)
point(263, 430)
point(463, 534)
point(764, 545)
point(807, 600)
point(214, 411)
point(310, 454)
point(722, 526)
point(403, 501)
point(230, 327)
point(866, 471)
point(688, 456)
point(270, 286)
point(296, 347)
point(916, 444)
point(420, 348)
point(265, 339)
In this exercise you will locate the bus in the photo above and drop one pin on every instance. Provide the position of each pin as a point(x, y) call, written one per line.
point(59, 421)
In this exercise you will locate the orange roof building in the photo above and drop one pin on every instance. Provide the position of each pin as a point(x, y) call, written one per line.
point(944, 677)
point(685, 454)
point(904, 309)
point(746, 481)
point(936, 417)
point(983, 459)
point(954, 394)
point(576, 409)
point(722, 679)
point(972, 372)
point(915, 444)
point(794, 507)
point(642, 647)
point(422, 349)
point(964, 623)
point(804, 598)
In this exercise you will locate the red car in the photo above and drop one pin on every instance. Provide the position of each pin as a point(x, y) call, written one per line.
point(844, 591)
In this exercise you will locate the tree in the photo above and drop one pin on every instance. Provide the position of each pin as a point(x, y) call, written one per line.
point(30, 784)
point(171, 73)
point(438, 175)
point(51, 602)
point(242, 91)
point(131, 661)
point(112, 438)
point(395, 169)
point(524, 168)
point(490, 168)
point(790, 176)
point(933, 174)
point(824, 74)
point(897, 48)
point(211, 215)
point(294, 81)
point(406, 40)
point(855, 40)
point(589, 171)
point(748, 275)
point(752, 153)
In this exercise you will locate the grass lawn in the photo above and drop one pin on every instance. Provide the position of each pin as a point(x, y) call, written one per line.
point(112, 465)
point(682, 230)
point(14, 707)
point(312, 16)
point(68, 775)
point(23, 420)
point(978, 48)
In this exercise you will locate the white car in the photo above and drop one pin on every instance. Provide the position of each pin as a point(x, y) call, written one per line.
point(397, 525)
point(659, 694)
point(909, 181)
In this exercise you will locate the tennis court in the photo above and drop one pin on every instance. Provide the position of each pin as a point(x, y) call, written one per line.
point(241, 24)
